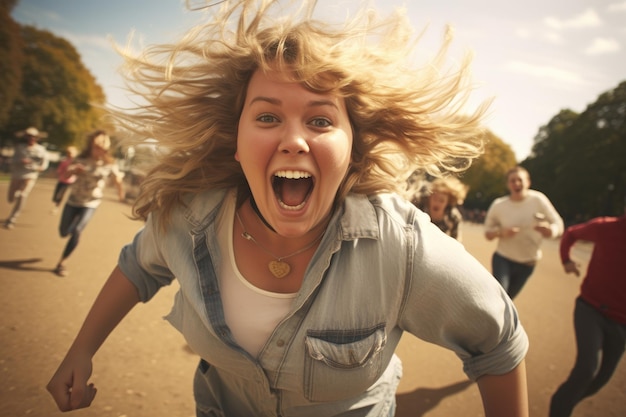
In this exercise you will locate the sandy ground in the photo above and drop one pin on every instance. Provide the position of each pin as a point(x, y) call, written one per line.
point(145, 368)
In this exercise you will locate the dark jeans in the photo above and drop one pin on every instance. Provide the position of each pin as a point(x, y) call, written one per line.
point(59, 191)
point(600, 344)
point(510, 274)
point(73, 221)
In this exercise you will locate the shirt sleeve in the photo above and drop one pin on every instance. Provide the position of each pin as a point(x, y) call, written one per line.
point(584, 231)
point(552, 216)
point(143, 263)
point(456, 303)
point(455, 219)
point(44, 162)
point(492, 223)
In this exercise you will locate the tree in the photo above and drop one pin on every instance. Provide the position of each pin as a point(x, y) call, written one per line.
point(578, 159)
point(10, 59)
point(57, 92)
point(486, 176)
point(549, 157)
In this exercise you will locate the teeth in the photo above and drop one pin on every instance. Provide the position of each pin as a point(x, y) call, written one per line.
point(292, 175)
point(286, 207)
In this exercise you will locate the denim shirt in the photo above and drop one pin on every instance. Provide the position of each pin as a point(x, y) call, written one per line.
point(382, 268)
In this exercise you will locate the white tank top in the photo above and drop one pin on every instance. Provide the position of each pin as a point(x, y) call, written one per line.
point(251, 313)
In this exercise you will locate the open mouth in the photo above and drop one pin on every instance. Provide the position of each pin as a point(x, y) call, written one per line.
point(292, 188)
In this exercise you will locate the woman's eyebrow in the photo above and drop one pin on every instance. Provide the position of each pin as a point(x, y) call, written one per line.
point(266, 99)
point(318, 103)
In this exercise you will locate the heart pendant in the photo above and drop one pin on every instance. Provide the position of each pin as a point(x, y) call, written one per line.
point(279, 269)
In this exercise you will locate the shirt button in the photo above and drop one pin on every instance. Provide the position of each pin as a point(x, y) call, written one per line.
point(280, 343)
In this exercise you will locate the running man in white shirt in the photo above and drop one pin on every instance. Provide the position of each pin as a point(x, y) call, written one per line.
point(520, 221)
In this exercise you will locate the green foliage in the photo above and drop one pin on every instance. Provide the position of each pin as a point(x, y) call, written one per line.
point(7, 5)
point(486, 176)
point(57, 92)
point(10, 61)
point(579, 160)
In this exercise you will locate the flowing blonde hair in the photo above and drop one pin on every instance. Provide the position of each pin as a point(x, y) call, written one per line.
point(100, 139)
point(404, 117)
point(451, 186)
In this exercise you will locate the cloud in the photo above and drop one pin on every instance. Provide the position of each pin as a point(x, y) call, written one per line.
point(617, 7)
point(31, 14)
point(601, 46)
point(588, 18)
point(553, 38)
point(544, 72)
point(83, 40)
point(523, 33)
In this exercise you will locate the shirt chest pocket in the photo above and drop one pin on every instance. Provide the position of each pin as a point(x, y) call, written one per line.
point(342, 363)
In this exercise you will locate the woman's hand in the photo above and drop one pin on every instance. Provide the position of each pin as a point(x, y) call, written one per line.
point(544, 228)
point(571, 267)
point(76, 169)
point(69, 386)
point(502, 233)
point(508, 232)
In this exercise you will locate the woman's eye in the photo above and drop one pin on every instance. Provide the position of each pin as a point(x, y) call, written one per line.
point(321, 122)
point(267, 118)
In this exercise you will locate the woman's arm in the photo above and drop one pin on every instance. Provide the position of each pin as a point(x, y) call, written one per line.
point(553, 218)
point(119, 184)
point(69, 386)
point(491, 225)
point(505, 395)
point(118, 178)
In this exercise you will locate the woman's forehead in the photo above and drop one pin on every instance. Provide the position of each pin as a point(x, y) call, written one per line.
point(517, 174)
point(276, 83)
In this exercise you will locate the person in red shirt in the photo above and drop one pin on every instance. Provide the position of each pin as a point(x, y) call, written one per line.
point(600, 312)
point(64, 178)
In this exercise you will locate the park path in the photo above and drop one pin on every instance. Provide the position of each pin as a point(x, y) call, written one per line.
point(145, 368)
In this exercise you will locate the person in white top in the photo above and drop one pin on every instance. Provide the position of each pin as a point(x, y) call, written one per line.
point(29, 160)
point(92, 168)
point(520, 221)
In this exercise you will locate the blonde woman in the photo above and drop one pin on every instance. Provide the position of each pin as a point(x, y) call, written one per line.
point(91, 169)
point(277, 210)
point(441, 201)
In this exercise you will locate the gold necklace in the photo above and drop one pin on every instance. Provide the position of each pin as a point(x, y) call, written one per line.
point(278, 267)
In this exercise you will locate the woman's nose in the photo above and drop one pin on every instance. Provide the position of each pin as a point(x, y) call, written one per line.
point(293, 141)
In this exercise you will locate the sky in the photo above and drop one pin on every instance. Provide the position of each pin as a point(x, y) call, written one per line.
point(533, 58)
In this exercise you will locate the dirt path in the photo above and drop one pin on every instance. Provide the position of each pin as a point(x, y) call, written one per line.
point(145, 368)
